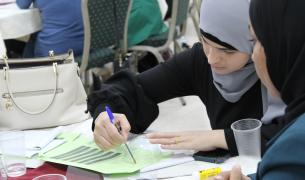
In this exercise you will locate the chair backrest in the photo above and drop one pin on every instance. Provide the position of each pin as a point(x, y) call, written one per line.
point(107, 19)
point(182, 12)
point(105, 24)
point(178, 17)
point(195, 14)
point(198, 5)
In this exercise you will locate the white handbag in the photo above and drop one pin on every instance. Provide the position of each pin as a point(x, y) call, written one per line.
point(41, 92)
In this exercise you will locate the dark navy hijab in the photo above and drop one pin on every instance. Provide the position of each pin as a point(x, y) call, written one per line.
point(280, 27)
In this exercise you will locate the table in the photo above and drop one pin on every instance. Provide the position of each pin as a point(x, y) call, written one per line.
point(51, 168)
point(184, 171)
point(16, 23)
point(248, 165)
point(178, 172)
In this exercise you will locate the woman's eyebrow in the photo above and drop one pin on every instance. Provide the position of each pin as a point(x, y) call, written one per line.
point(220, 48)
point(226, 49)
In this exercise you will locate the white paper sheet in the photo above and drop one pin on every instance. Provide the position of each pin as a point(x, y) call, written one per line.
point(174, 160)
point(38, 139)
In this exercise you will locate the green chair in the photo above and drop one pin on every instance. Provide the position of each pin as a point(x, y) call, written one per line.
point(105, 33)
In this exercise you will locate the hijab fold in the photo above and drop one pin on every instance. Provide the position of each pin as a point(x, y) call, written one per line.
point(279, 26)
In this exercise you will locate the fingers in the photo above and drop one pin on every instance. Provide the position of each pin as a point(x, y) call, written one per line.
point(101, 133)
point(171, 140)
point(223, 175)
point(162, 135)
point(236, 173)
point(216, 178)
point(122, 121)
point(106, 135)
point(164, 138)
point(165, 141)
point(102, 142)
point(175, 143)
point(177, 146)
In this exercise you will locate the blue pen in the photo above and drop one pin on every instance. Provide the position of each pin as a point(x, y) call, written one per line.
point(111, 117)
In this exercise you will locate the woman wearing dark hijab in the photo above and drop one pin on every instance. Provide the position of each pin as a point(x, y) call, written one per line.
point(218, 70)
point(278, 28)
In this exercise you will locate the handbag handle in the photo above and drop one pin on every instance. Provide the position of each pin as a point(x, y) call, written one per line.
point(6, 78)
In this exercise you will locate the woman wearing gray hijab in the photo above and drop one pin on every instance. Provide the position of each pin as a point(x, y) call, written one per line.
point(218, 70)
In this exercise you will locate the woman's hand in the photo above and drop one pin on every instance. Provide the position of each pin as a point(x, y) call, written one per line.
point(107, 135)
point(234, 174)
point(190, 140)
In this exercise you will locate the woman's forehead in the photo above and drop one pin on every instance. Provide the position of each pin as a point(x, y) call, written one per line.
point(214, 44)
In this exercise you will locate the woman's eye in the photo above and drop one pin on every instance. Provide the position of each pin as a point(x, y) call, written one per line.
point(229, 52)
point(253, 41)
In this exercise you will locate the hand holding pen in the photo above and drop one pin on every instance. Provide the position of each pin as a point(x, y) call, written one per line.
point(111, 118)
point(106, 135)
point(234, 174)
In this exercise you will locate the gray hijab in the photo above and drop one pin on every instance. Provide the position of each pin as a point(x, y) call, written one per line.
point(228, 20)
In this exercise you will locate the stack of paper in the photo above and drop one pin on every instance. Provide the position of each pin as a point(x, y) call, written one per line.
point(83, 153)
point(37, 140)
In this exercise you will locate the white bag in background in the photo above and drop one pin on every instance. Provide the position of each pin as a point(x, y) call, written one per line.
point(41, 92)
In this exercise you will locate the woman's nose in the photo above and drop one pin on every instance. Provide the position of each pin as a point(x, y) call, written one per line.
point(214, 56)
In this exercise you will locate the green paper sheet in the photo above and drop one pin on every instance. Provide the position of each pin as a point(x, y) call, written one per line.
point(71, 136)
point(82, 152)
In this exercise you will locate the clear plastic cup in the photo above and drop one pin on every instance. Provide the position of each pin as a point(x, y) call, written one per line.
point(50, 177)
point(247, 133)
point(3, 175)
point(12, 147)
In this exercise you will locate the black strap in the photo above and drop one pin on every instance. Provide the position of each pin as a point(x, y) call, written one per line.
point(116, 23)
point(120, 59)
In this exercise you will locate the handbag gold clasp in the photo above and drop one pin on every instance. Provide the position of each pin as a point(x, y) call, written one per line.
point(51, 54)
point(8, 102)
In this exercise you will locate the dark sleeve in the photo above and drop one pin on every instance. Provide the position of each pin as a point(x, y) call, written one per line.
point(24, 4)
point(124, 95)
point(137, 96)
point(174, 78)
point(268, 131)
point(230, 139)
point(283, 159)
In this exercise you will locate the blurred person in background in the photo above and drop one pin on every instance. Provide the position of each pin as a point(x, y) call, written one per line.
point(145, 20)
point(62, 27)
